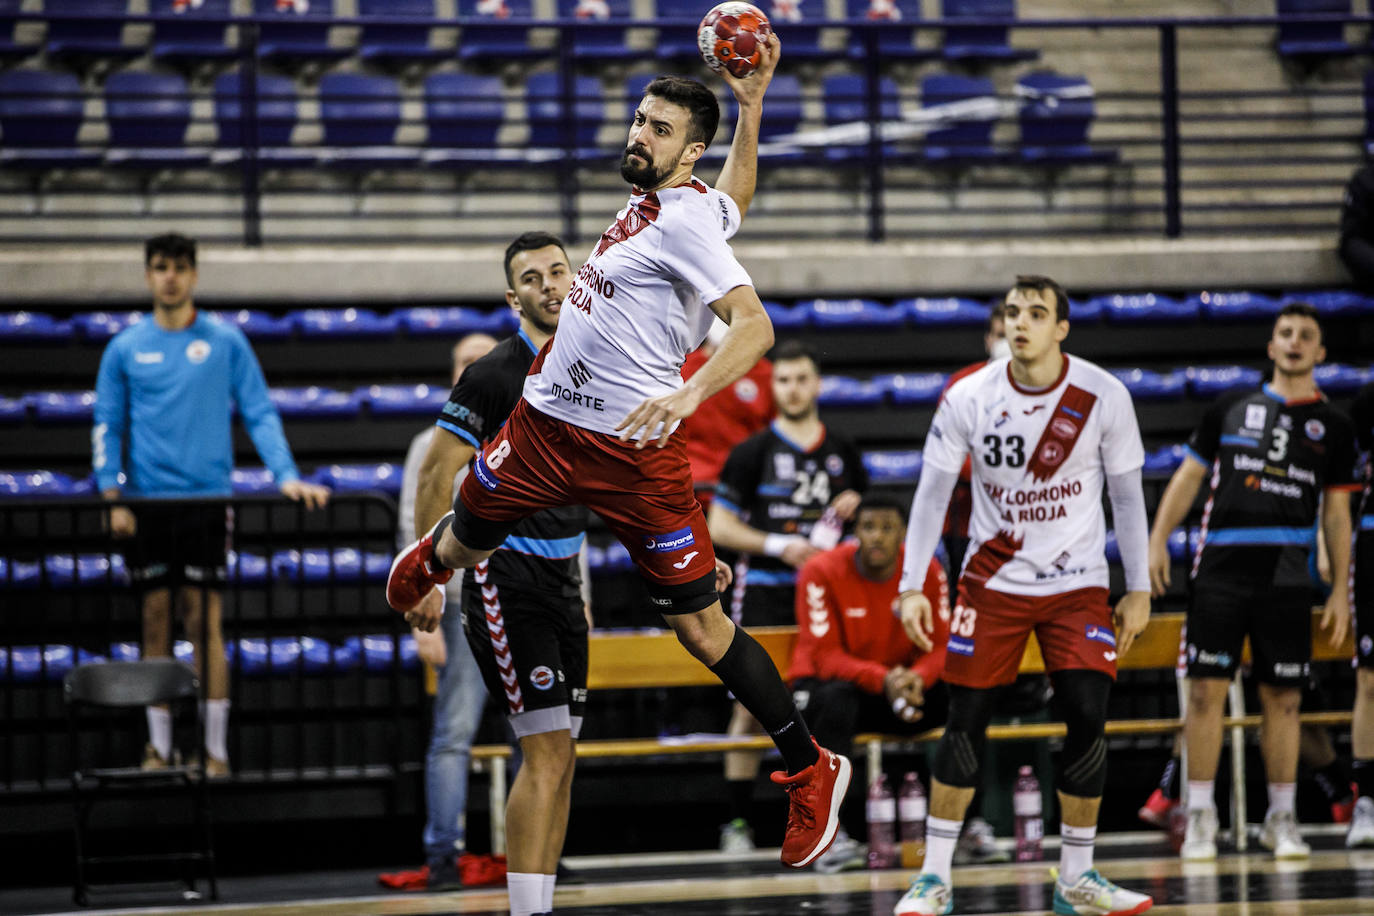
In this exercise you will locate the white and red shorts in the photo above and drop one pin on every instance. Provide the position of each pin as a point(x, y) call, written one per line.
point(988, 631)
point(644, 496)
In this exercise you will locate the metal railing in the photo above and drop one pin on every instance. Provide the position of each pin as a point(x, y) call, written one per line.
point(321, 681)
point(1186, 157)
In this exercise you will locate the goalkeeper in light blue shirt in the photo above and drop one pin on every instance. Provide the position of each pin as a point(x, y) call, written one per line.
point(162, 429)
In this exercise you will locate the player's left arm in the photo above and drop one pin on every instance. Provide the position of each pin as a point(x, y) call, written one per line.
point(749, 337)
point(1123, 455)
point(740, 173)
point(1336, 526)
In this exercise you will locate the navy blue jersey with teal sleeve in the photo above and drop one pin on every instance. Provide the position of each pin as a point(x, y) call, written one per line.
point(163, 410)
point(1270, 461)
point(540, 555)
point(780, 487)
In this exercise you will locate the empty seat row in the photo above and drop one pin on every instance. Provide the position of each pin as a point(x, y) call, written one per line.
point(899, 389)
point(825, 314)
point(312, 565)
point(251, 656)
point(193, 31)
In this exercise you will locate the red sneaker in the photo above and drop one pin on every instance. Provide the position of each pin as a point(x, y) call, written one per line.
point(814, 806)
point(1155, 811)
point(413, 574)
point(1342, 811)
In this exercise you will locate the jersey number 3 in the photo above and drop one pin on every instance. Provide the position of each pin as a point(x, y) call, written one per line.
point(1015, 451)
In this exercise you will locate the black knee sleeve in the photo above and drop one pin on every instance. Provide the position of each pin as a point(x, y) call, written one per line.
point(960, 754)
point(1080, 698)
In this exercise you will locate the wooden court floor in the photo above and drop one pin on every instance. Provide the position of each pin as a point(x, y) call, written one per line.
point(1331, 883)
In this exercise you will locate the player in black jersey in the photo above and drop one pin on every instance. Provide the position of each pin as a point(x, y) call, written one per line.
point(1270, 455)
point(1362, 596)
point(523, 609)
point(773, 490)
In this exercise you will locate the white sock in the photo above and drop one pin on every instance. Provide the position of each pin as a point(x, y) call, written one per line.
point(525, 892)
point(216, 728)
point(1281, 797)
point(546, 893)
point(160, 730)
point(1202, 795)
point(1075, 852)
point(941, 836)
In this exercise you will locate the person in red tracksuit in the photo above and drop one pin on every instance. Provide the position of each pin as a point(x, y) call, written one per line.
point(853, 667)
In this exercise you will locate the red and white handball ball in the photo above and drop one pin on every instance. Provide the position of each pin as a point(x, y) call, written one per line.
point(732, 35)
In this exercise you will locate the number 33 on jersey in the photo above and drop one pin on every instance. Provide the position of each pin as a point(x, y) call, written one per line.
point(1040, 460)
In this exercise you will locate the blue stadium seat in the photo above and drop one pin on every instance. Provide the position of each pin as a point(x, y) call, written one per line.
point(598, 43)
point(1313, 39)
point(258, 325)
point(314, 402)
point(913, 388)
point(455, 321)
point(969, 105)
point(404, 400)
point(1237, 306)
point(893, 466)
point(897, 38)
point(1332, 302)
point(317, 656)
point(797, 24)
point(101, 326)
point(1148, 385)
point(679, 41)
point(980, 42)
point(348, 654)
point(40, 114)
point(30, 664)
point(1083, 310)
point(189, 39)
point(1210, 381)
point(20, 327)
point(360, 115)
point(1147, 308)
point(379, 651)
point(87, 570)
point(463, 112)
point(854, 314)
point(28, 484)
point(1055, 115)
point(252, 480)
point(148, 114)
point(125, 651)
point(845, 101)
point(85, 39)
point(1334, 378)
point(841, 391)
point(398, 44)
point(276, 119)
point(548, 114)
point(13, 410)
point(296, 31)
point(1162, 462)
point(596, 559)
point(62, 406)
point(352, 478)
point(10, 50)
point(256, 656)
point(20, 574)
point(787, 318)
point(346, 322)
point(617, 558)
point(947, 312)
point(503, 43)
point(247, 568)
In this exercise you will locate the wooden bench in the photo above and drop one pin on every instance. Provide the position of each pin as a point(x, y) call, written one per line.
point(620, 660)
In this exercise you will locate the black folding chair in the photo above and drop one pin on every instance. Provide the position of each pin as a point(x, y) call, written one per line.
point(105, 689)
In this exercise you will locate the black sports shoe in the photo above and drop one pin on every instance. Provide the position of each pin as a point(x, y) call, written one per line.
point(443, 875)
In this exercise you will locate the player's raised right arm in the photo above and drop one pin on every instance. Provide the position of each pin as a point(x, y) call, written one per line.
point(740, 172)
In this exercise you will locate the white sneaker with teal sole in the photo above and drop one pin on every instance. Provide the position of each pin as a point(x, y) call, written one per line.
point(1094, 895)
point(927, 896)
point(1361, 825)
point(1280, 835)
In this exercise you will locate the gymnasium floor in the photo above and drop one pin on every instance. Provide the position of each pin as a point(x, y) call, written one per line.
point(1333, 883)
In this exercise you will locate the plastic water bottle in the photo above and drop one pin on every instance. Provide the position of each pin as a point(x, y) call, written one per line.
point(882, 825)
point(911, 813)
point(825, 534)
point(1030, 825)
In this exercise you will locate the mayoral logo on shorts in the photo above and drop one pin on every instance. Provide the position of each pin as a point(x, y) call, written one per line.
point(669, 542)
point(198, 351)
point(1100, 634)
point(542, 678)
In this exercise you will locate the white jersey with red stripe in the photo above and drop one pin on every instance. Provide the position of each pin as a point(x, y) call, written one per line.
point(1040, 459)
point(639, 306)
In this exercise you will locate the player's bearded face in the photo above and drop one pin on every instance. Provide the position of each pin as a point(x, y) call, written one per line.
point(644, 172)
